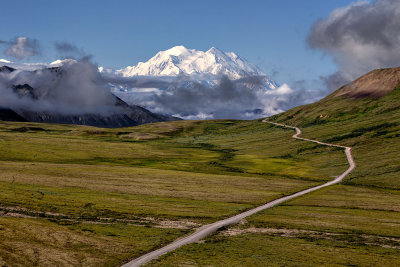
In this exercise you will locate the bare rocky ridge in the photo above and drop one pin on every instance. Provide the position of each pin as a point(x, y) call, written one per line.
point(6, 69)
point(374, 84)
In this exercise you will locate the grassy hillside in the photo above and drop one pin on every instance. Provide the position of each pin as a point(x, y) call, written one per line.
point(355, 223)
point(370, 125)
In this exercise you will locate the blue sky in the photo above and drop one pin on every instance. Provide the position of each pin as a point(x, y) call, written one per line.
point(270, 33)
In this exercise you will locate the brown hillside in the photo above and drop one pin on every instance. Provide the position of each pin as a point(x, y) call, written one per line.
point(375, 84)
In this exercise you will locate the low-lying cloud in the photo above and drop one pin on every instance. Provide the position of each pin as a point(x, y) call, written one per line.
point(226, 99)
point(76, 88)
point(360, 37)
point(245, 98)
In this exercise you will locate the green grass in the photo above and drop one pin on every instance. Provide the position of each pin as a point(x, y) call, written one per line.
point(76, 178)
point(204, 170)
point(365, 204)
point(126, 191)
point(207, 147)
point(267, 250)
point(330, 219)
point(351, 225)
point(38, 242)
point(83, 182)
point(370, 126)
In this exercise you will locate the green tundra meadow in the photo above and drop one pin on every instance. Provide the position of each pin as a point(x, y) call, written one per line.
point(84, 196)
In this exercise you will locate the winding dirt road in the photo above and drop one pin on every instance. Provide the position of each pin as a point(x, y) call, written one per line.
point(211, 228)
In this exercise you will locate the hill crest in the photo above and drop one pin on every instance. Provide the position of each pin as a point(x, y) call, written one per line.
point(376, 83)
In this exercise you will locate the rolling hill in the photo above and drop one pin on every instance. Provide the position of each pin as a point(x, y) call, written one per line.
point(364, 114)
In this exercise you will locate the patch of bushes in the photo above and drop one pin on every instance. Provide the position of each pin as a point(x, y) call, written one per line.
point(27, 129)
point(362, 130)
point(317, 121)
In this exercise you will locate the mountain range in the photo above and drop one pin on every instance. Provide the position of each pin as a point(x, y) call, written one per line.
point(212, 84)
point(199, 79)
point(201, 66)
point(30, 101)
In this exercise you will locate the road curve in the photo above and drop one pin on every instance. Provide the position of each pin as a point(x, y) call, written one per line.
point(211, 228)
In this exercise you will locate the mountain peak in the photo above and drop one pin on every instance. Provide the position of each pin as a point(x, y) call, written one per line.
point(217, 53)
point(181, 60)
point(61, 62)
point(213, 49)
point(176, 50)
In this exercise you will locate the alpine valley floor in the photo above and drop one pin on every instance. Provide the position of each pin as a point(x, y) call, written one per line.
point(84, 196)
point(68, 192)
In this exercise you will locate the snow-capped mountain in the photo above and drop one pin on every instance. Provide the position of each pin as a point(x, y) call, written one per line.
point(193, 84)
point(62, 62)
point(180, 60)
point(204, 66)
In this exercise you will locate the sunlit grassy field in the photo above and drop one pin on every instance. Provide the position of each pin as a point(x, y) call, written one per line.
point(275, 250)
point(41, 242)
point(109, 195)
point(355, 223)
point(78, 195)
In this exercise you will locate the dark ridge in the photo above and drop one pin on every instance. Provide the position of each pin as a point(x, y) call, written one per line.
point(24, 90)
point(7, 114)
point(110, 121)
point(6, 69)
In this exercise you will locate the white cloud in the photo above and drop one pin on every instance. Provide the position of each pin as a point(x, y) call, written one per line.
point(360, 37)
point(228, 99)
point(22, 47)
point(281, 90)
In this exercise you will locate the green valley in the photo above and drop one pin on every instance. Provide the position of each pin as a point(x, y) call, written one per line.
point(67, 192)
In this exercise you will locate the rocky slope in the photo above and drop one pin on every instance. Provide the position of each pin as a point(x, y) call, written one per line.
point(376, 83)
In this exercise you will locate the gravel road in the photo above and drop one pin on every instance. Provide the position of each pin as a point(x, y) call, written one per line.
point(211, 228)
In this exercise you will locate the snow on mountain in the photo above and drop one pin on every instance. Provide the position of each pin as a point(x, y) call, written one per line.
point(62, 62)
point(193, 84)
point(198, 64)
